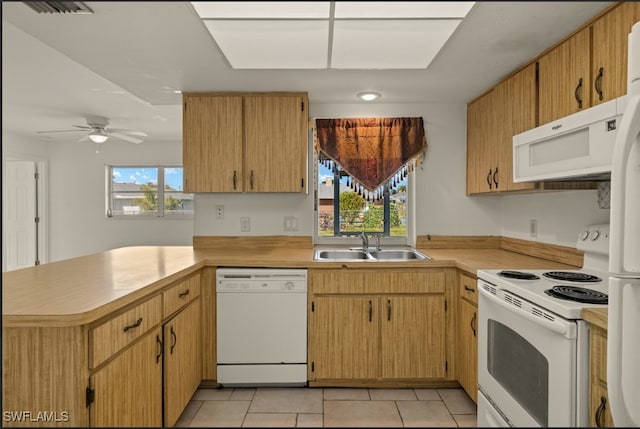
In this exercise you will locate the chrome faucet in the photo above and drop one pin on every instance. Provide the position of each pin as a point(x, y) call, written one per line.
point(365, 241)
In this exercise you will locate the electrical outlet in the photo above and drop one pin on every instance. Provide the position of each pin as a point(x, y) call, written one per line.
point(245, 224)
point(533, 227)
point(219, 211)
point(290, 223)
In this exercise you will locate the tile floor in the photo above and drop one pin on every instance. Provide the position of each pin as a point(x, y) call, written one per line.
point(329, 407)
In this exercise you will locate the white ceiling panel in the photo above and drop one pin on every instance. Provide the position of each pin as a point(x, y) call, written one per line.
point(272, 44)
point(402, 9)
point(261, 9)
point(389, 44)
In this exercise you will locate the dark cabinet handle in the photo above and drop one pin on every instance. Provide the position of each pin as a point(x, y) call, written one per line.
point(489, 179)
point(388, 309)
point(134, 325)
point(251, 179)
point(600, 411)
point(174, 339)
point(598, 83)
point(495, 177)
point(235, 179)
point(473, 323)
point(159, 342)
point(370, 311)
point(469, 289)
point(183, 294)
point(578, 93)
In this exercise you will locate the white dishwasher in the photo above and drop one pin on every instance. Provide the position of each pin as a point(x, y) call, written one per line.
point(261, 326)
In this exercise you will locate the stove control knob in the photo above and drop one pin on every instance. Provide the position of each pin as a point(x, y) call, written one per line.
point(288, 285)
point(584, 234)
point(593, 235)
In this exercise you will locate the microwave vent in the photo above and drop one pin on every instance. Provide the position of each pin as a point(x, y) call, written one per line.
point(59, 7)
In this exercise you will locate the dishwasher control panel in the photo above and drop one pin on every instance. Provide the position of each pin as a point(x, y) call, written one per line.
point(260, 280)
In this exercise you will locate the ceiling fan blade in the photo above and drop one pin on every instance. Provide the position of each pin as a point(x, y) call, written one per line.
point(128, 132)
point(84, 127)
point(85, 138)
point(125, 137)
point(59, 131)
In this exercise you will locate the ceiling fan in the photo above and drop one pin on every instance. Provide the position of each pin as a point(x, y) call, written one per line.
point(98, 131)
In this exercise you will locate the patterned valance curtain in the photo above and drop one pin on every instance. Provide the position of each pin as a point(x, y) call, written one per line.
point(371, 150)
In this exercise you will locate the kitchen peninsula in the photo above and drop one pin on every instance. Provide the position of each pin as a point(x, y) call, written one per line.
point(79, 332)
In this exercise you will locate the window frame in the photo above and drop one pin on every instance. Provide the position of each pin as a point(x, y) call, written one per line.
point(352, 239)
point(161, 214)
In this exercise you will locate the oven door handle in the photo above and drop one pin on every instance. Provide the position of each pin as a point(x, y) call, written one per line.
point(559, 328)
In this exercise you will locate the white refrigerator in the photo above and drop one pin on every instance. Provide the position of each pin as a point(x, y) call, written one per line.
point(623, 349)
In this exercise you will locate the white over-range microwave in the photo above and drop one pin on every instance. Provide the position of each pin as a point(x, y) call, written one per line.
point(576, 147)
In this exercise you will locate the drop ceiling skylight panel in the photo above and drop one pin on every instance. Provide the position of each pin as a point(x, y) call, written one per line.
point(272, 44)
point(389, 44)
point(402, 9)
point(261, 9)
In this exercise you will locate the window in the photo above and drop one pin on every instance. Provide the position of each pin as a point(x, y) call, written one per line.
point(147, 191)
point(383, 212)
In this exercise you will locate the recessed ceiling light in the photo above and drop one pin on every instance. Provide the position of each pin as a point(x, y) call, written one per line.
point(177, 91)
point(369, 95)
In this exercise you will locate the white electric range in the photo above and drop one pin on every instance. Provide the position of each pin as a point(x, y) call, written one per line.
point(533, 346)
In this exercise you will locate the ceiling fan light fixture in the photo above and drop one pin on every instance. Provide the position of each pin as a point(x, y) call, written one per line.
point(98, 136)
point(369, 95)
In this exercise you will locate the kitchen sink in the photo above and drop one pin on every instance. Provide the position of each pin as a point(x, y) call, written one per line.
point(397, 255)
point(370, 255)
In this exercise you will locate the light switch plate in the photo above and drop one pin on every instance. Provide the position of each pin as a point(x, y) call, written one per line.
point(245, 224)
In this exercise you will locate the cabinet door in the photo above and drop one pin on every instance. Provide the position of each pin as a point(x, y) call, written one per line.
point(610, 49)
point(182, 361)
point(276, 143)
point(413, 336)
point(468, 349)
point(480, 151)
point(128, 390)
point(564, 78)
point(521, 104)
point(212, 143)
point(344, 337)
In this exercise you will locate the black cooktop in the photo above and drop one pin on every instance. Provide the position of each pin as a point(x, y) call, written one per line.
point(568, 276)
point(579, 294)
point(519, 275)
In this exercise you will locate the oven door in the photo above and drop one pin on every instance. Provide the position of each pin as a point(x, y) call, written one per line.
point(526, 359)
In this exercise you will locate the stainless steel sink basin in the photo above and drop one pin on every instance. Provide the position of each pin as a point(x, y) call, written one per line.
point(341, 255)
point(369, 255)
point(397, 255)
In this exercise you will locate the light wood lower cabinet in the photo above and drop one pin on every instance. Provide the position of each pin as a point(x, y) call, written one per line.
point(377, 325)
point(600, 412)
point(127, 391)
point(467, 347)
point(182, 361)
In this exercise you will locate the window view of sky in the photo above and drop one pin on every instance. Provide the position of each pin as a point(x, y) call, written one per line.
point(141, 176)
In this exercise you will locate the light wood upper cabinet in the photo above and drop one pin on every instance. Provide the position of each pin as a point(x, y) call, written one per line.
point(182, 361)
point(565, 78)
point(276, 143)
point(492, 121)
point(245, 142)
point(212, 143)
point(610, 50)
point(128, 390)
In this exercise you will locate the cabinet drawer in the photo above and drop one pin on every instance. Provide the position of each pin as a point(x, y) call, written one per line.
point(180, 294)
point(469, 288)
point(110, 337)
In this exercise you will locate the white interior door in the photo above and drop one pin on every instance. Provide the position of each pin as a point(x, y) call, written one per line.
point(19, 212)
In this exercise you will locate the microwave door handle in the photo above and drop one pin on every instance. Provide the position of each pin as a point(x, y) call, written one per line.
point(553, 326)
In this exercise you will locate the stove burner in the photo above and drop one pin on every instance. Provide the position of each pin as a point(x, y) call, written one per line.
point(518, 275)
point(580, 294)
point(572, 277)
